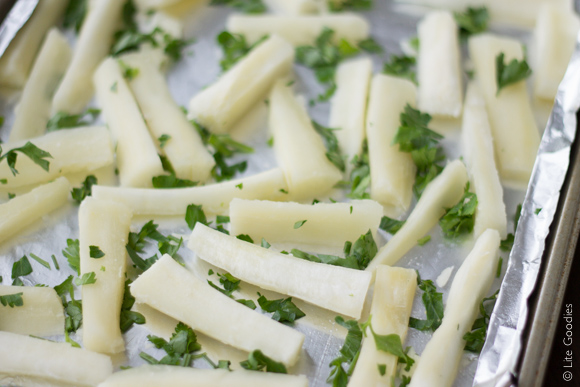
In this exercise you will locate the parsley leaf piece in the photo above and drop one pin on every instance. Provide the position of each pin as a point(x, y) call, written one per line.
point(424, 240)
point(194, 214)
point(415, 137)
point(459, 219)
point(513, 72)
point(129, 73)
point(72, 254)
point(391, 225)
point(333, 154)
point(163, 140)
point(245, 6)
point(54, 262)
point(62, 120)
point(433, 302)
point(86, 279)
point(34, 153)
point(370, 45)
point(171, 181)
point(21, 268)
point(221, 219)
point(401, 66)
point(473, 21)
point(507, 243)
point(12, 300)
point(265, 244)
point(79, 194)
point(95, 252)
point(299, 223)
point(129, 317)
point(352, 5)
point(179, 348)
point(40, 260)
point(229, 282)
point(234, 47)
point(392, 344)
point(382, 368)
point(74, 14)
point(245, 237)
point(285, 311)
point(349, 353)
point(360, 177)
point(257, 361)
point(475, 339)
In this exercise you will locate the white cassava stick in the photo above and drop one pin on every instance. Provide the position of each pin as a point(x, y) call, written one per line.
point(294, 7)
point(73, 150)
point(299, 149)
point(17, 60)
point(390, 311)
point(184, 149)
point(34, 109)
point(443, 192)
point(23, 210)
point(439, 68)
point(215, 198)
point(222, 104)
point(60, 363)
point(327, 224)
point(41, 313)
point(349, 106)
point(555, 38)
point(178, 293)
point(335, 288)
point(521, 13)
point(103, 225)
point(137, 157)
point(477, 150)
point(515, 134)
point(392, 171)
point(93, 45)
point(470, 285)
point(157, 375)
point(300, 30)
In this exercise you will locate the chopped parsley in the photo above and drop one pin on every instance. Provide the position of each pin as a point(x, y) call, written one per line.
point(55, 262)
point(391, 225)
point(79, 194)
point(424, 240)
point(137, 242)
point(12, 300)
point(473, 21)
point(265, 244)
point(382, 368)
point(234, 47)
point(350, 5)
point(513, 72)
point(333, 151)
point(257, 361)
point(245, 238)
point(129, 73)
point(129, 317)
point(180, 348)
point(74, 14)
point(508, 242)
point(370, 45)
point(324, 57)
point(357, 255)
point(171, 181)
point(475, 339)
point(72, 253)
point(285, 311)
point(20, 268)
point(460, 218)
point(537, 211)
point(194, 214)
point(401, 66)
point(73, 309)
point(95, 252)
point(349, 353)
point(360, 176)
point(392, 344)
point(413, 136)
point(245, 6)
point(163, 140)
point(230, 285)
point(433, 302)
point(299, 224)
point(62, 120)
point(240, 186)
point(86, 279)
point(40, 260)
point(34, 153)
point(221, 219)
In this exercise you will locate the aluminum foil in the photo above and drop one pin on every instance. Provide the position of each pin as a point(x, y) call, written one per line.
point(15, 19)
point(390, 25)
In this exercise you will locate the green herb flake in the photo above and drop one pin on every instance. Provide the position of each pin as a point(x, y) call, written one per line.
point(401, 66)
point(392, 344)
point(285, 311)
point(370, 45)
point(511, 73)
point(299, 224)
point(245, 237)
point(171, 181)
point(12, 300)
point(72, 254)
point(62, 120)
point(270, 141)
point(234, 47)
point(433, 302)
point(391, 225)
point(460, 219)
point(537, 211)
point(74, 14)
point(265, 244)
point(475, 339)
point(382, 369)
point(21, 268)
point(129, 73)
point(114, 87)
point(245, 6)
point(283, 191)
point(86, 279)
point(473, 21)
point(350, 5)
point(499, 267)
point(348, 353)
point(424, 240)
point(257, 361)
point(194, 214)
point(163, 140)
point(180, 348)
point(129, 317)
point(221, 219)
point(40, 260)
point(333, 153)
point(95, 252)
point(55, 262)
point(30, 150)
point(79, 194)
point(240, 186)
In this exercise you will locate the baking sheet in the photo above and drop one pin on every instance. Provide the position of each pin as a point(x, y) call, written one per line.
point(390, 25)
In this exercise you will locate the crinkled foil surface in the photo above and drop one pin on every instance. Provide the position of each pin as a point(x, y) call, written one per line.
point(15, 19)
point(390, 25)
